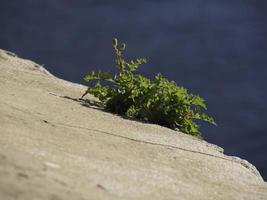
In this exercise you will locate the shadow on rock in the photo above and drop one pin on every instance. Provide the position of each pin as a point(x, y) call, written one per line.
point(87, 103)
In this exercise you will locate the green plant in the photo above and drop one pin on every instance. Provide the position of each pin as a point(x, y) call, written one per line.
point(156, 101)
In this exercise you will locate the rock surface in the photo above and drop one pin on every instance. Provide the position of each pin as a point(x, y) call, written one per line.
point(54, 146)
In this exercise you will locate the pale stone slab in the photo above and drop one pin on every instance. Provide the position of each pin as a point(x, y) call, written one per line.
point(52, 146)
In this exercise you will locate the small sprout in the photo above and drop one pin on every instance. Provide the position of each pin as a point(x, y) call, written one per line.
point(115, 42)
point(123, 46)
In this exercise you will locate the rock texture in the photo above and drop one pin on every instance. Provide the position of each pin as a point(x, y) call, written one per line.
point(54, 146)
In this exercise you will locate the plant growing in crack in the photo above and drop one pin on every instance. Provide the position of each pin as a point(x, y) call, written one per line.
point(158, 101)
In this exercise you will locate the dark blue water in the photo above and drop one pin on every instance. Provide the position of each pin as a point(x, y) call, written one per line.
point(217, 49)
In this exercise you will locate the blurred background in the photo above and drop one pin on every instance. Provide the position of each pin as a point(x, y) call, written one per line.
point(217, 49)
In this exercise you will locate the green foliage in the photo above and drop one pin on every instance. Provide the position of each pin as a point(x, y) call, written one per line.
point(156, 101)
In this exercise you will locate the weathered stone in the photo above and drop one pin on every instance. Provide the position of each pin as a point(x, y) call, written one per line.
point(54, 146)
